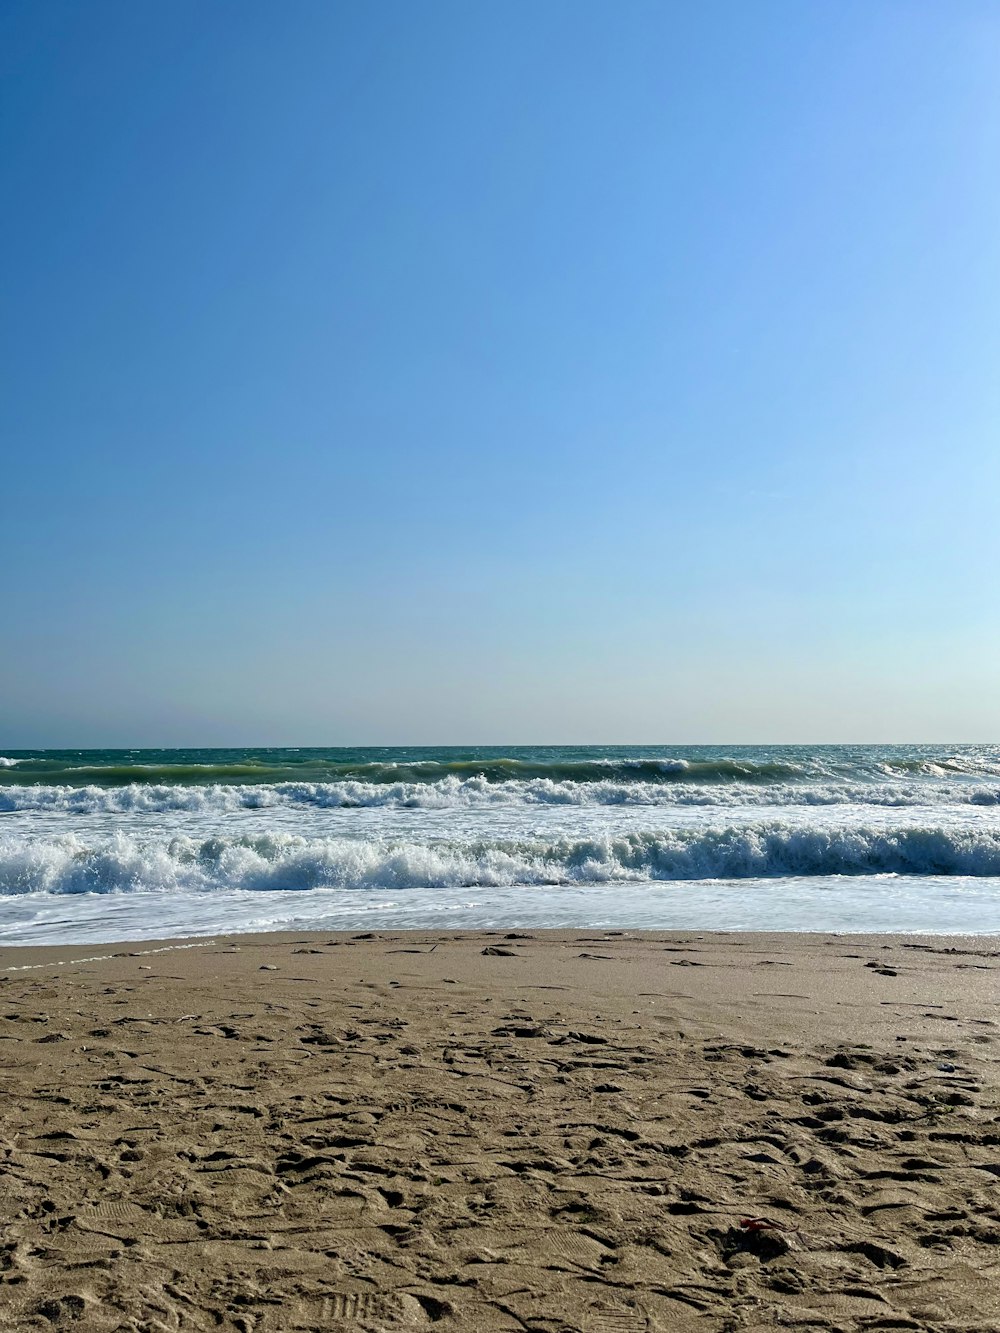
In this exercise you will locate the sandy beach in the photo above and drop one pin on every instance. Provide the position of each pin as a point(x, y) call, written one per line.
point(549, 1131)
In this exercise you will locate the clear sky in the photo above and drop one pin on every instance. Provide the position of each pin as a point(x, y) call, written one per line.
point(499, 371)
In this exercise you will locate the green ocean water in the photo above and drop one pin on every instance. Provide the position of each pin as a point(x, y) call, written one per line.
point(625, 763)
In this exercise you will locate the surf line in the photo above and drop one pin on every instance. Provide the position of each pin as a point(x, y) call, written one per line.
point(103, 957)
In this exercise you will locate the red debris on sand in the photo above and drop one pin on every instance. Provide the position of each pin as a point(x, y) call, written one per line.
point(758, 1224)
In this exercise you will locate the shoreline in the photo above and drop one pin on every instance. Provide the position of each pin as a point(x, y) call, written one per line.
point(554, 934)
point(500, 1130)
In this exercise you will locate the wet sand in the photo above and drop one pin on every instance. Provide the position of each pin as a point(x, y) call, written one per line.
point(556, 1131)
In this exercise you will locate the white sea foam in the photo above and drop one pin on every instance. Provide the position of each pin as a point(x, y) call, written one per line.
point(8, 763)
point(126, 863)
point(464, 793)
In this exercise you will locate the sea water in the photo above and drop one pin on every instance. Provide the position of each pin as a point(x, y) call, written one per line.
point(114, 844)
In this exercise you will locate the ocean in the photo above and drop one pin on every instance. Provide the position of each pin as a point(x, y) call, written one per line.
point(102, 845)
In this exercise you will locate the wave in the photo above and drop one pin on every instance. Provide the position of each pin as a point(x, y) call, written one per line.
point(755, 766)
point(67, 864)
point(465, 793)
point(974, 765)
point(665, 770)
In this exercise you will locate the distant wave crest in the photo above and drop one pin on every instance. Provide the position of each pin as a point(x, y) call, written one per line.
point(251, 771)
point(427, 771)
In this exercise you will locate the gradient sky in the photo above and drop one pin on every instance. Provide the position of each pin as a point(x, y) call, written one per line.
point(499, 372)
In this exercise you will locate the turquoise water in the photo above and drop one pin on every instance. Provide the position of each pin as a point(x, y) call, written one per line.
point(137, 843)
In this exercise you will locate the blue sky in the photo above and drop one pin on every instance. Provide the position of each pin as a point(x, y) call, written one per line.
point(499, 372)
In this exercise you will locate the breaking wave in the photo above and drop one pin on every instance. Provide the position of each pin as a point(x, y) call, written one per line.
point(465, 793)
point(122, 863)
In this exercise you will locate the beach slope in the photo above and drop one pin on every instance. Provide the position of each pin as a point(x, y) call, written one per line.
point(501, 1131)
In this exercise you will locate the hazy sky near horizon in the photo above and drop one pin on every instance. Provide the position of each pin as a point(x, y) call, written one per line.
point(499, 372)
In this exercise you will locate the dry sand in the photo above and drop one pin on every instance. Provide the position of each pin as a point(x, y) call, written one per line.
point(562, 1131)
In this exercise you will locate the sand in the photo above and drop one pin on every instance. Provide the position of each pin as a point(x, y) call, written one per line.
point(556, 1131)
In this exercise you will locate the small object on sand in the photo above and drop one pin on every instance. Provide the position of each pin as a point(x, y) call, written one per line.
point(267, 967)
point(758, 1224)
point(500, 953)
